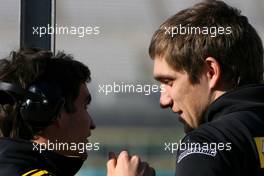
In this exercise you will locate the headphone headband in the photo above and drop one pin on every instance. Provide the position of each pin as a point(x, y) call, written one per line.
point(9, 93)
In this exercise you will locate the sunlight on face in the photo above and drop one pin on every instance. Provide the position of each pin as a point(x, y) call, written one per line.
point(187, 99)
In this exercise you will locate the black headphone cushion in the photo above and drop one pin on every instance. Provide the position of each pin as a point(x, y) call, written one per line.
point(41, 107)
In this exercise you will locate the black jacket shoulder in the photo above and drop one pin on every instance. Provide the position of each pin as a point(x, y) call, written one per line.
point(233, 125)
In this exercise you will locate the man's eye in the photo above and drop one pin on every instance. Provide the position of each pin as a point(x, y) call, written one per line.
point(167, 82)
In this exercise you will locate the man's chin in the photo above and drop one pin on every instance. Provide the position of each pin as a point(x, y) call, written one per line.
point(84, 155)
point(80, 154)
point(187, 128)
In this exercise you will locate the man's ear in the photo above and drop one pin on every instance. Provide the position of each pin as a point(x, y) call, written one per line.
point(57, 123)
point(213, 71)
point(60, 116)
point(59, 119)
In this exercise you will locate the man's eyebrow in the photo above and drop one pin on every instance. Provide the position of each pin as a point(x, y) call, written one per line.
point(163, 77)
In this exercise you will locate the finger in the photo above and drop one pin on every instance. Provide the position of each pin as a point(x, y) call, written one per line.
point(135, 159)
point(111, 155)
point(123, 157)
point(111, 163)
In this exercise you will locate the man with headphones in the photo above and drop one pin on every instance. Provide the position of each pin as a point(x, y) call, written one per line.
point(44, 99)
point(43, 102)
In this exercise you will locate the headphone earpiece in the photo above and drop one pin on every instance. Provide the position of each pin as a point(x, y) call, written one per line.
point(40, 104)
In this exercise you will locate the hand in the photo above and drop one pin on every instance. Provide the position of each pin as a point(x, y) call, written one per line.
point(126, 165)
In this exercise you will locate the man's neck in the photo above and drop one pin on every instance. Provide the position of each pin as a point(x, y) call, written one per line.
point(217, 94)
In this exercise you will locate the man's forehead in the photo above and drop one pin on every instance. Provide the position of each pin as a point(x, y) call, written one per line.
point(162, 68)
point(84, 91)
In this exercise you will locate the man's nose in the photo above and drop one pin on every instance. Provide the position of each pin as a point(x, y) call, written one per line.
point(165, 100)
point(92, 126)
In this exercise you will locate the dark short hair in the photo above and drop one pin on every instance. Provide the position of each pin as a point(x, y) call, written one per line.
point(240, 54)
point(36, 65)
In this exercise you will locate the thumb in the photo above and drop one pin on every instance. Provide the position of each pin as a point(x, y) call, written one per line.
point(111, 163)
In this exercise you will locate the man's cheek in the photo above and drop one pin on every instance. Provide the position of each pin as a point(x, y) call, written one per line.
point(176, 97)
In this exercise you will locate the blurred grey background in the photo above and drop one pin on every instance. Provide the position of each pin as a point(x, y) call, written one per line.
point(132, 121)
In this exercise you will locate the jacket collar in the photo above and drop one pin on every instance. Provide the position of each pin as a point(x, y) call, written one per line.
point(20, 152)
point(249, 97)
